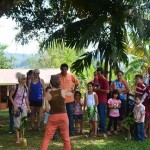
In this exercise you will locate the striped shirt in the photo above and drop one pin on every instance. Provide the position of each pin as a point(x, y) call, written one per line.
point(68, 83)
point(140, 90)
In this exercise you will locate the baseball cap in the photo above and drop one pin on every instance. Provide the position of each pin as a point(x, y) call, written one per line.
point(36, 71)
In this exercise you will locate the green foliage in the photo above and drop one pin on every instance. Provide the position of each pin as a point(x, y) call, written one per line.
point(85, 77)
point(53, 57)
point(128, 121)
point(5, 63)
point(104, 23)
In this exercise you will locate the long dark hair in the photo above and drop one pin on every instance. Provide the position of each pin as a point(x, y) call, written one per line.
point(77, 92)
point(115, 92)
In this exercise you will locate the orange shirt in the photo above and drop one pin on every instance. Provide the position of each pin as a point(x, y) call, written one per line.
point(68, 82)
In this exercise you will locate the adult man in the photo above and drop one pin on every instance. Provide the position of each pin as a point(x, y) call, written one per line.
point(102, 92)
point(36, 93)
point(68, 82)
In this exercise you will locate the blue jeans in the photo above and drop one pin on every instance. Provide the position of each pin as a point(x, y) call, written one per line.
point(11, 120)
point(139, 131)
point(101, 111)
point(70, 113)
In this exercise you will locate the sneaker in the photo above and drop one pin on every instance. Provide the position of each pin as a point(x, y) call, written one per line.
point(10, 132)
point(115, 132)
point(1, 126)
point(81, 132)
point(31, 129)
point(102, 135)
point(109, 133)
point(72, 133)
point(38, 129)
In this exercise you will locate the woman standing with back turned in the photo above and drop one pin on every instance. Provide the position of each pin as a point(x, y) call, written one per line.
point(58, 119)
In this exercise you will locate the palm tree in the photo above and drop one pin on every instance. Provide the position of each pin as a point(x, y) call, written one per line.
point(105, 23)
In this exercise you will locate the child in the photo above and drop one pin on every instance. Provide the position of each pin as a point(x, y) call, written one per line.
point(91, 101)
point(146, 102)
point(139, 116)
point(78, 114)
point(140, 86)
point(113, 104)
point(46, 114)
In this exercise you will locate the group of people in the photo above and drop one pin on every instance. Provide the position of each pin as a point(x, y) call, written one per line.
point(64, 107)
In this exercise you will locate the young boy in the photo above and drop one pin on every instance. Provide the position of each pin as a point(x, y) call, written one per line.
point(139, 116)
point(140, 86)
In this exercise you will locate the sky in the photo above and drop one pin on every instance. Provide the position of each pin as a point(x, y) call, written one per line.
point(7, 36)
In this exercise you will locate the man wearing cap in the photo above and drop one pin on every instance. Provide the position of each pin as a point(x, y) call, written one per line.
point(68, 82)
point(36, 93)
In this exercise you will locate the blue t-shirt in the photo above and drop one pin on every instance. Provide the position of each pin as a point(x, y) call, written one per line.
point(120, 86)
point(36, 92)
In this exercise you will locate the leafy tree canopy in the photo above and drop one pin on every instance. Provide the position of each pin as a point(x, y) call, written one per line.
point(105, 23)
point(53, 57)
point(5, 63)
point(6, 5)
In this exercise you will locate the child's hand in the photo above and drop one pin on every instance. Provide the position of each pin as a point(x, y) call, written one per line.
point(29, 110)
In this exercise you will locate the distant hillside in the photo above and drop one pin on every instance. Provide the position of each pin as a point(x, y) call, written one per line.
point(20, 59)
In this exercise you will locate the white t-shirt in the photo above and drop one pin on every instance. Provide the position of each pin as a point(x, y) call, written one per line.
point(90, 99)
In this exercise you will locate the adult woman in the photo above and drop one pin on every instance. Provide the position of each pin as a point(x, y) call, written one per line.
point(121, 85)
point(36, 93)
point(18, 97)
point(29, 77)
point(58, 119)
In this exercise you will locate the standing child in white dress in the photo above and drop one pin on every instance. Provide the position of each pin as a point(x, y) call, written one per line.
point(91, 102)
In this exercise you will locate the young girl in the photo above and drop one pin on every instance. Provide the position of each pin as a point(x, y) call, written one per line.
point(113, 104)
point(91, 101)
point(78, 113)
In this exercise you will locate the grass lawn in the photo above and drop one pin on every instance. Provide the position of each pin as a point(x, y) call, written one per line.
point(34, 138)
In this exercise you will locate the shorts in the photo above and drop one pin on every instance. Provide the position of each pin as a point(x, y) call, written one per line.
point(46, 115)
point(78, 117)
point(17, 120)
point(36, 103)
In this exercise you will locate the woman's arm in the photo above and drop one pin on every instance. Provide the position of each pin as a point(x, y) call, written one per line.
point(96, 99)
point(43, 87)
point(12, 91)
point(47, 99)
point(84, 102)
point(27, 103)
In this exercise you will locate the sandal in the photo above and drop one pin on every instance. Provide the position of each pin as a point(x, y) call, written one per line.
point(30, 129)
point(17, 142)
point(38, 129)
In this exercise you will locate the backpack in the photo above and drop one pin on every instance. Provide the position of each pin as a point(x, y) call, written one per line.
point(9, 101)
